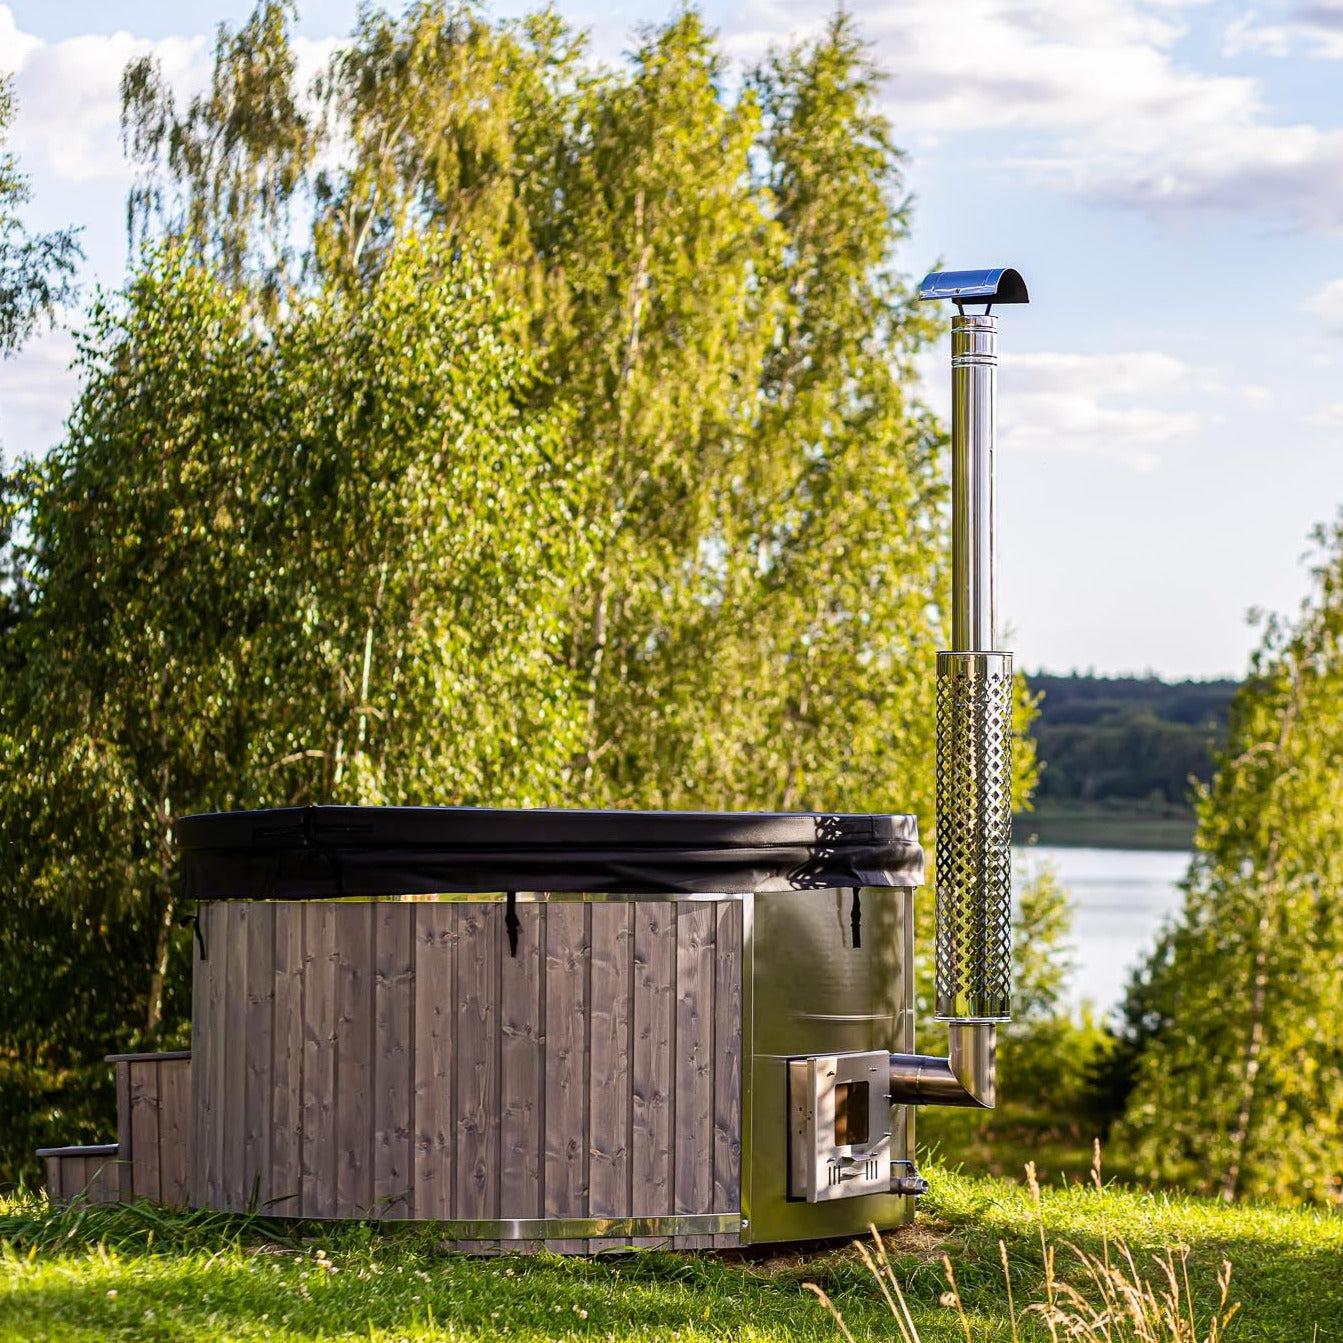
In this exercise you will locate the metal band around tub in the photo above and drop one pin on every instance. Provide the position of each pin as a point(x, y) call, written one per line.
point(583, 1228)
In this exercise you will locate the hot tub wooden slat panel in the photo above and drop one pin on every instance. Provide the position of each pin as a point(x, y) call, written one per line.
point(692, 1126)
point(174, 1118)
point(124, 1171)
point(610, 1096)
point(286, 1042)
point(200, 1036)
point(478, 1062)
point(522, 1066)
point(89, 1173)
point(102, 1179)
point(568, 966)
point(144, 1149)
point(400, 1061)
point(202, 1039)
point(393, 1060)
point(260, 998)
point(221, 952)
point(727, 1064)
point(233, 1092)
point(651, 1081)
point(435, 993)
point(354, 1058)
point(319, 1062)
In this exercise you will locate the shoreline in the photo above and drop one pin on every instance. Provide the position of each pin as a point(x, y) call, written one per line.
point(1080, 826)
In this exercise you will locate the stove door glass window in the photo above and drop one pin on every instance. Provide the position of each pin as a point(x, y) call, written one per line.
point(852, 1124)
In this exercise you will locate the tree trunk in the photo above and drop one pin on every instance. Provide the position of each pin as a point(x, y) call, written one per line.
point(597, 658)
point(162, 941)
point(163, 935)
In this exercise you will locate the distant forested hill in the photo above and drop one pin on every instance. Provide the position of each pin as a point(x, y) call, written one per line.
point(1123, 746)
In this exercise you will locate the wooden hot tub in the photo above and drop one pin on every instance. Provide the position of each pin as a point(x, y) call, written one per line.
point(568, 1028)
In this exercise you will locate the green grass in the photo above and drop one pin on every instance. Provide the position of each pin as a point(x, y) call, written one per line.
point(138, 1273)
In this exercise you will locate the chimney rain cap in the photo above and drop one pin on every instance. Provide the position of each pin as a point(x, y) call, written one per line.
point(1003, 285)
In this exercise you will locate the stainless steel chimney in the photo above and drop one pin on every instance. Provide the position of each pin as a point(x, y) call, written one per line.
point(974, 730)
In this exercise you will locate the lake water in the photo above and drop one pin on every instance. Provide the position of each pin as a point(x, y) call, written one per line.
point(1120, 898)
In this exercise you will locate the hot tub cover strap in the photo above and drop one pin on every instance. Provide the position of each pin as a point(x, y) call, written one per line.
point(306, 853)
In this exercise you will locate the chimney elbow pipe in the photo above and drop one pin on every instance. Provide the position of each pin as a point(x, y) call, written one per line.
point(965, 1078)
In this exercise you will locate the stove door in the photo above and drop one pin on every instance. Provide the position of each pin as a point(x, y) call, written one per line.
point(839, 1139)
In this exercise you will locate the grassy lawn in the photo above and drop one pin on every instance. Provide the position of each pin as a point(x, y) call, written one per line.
point(135, 1273)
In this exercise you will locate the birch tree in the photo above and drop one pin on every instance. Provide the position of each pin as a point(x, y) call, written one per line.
point(489, 425)
point(1240, 1086)
point(327, 562)
point(711, 280)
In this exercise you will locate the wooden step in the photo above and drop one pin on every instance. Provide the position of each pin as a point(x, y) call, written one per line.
point(154, 1125)
point(90, 1173)
point(151, 1157)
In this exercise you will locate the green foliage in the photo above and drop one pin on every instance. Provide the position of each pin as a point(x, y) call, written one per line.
point(709, 283)
point(1042, 952)
point(1088, 698)
point(239, 151)
point(1111, 738)
point(37, 270)
point(273, 567)
point(1143, 1015)
point(1240, 1085)
point(1047, 1054)
point(45, 1031)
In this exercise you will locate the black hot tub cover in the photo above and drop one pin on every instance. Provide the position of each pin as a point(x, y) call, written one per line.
point(306, 853)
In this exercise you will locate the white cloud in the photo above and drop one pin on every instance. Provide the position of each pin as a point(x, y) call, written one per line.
point(1097, 97)
point(1121, 118)
point(1326, 303)
point(1248, 35)
point(1327, 417)
point(1312, 29)
point(1103, 405)
point(1132, 407)
point(1136, 373)
point(69, 92)
point(37, 387)
point(15, 46)
point(69, 96)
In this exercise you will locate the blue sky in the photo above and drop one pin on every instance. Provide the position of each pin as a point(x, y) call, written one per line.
point(1167, 174)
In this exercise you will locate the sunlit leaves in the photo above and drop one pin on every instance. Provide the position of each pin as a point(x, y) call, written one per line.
point(1240, 1087)
point(491, 425)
